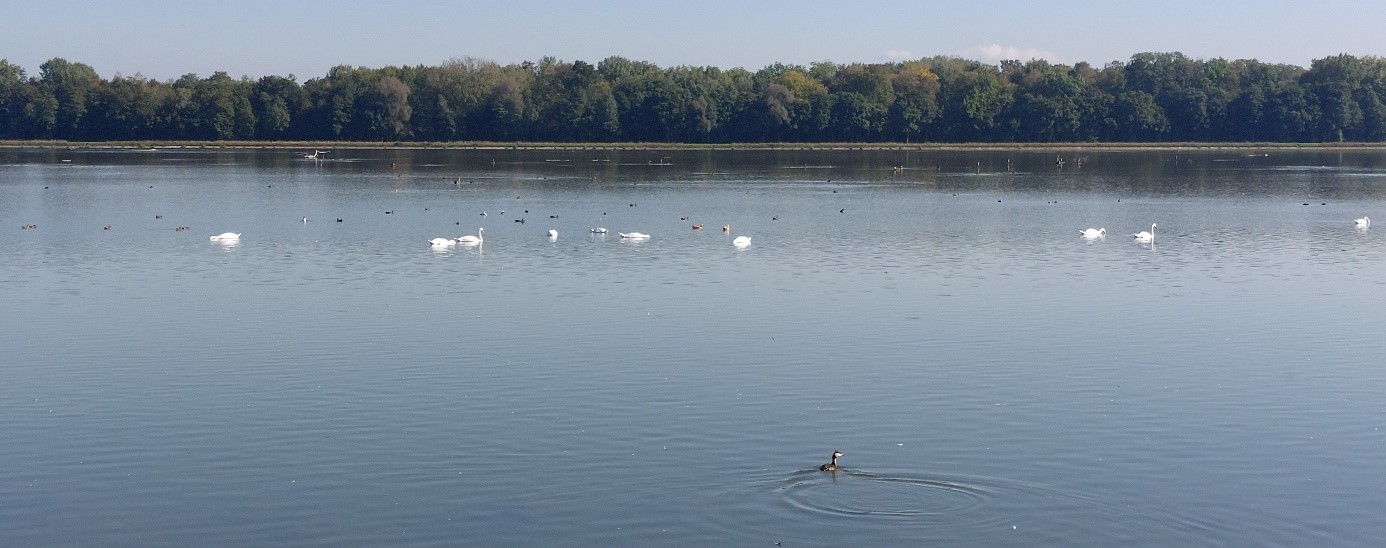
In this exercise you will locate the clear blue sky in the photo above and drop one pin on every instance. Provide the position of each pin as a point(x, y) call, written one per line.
point(164, 39)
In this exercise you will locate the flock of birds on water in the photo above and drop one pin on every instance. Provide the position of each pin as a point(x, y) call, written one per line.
point(740, 241)
point(1148, 236)
point(1144, 236)
point(479, 238)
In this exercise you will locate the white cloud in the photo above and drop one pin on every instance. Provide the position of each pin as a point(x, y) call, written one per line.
point(899, 55)
point(998, 52)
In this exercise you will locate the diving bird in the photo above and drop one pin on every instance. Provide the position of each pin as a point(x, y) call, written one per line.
point(831, 466)
point(472, 240)
point(1146, 237)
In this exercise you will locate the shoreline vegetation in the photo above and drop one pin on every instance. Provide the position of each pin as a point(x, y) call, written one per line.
point(1165, 98)
point(523, 145)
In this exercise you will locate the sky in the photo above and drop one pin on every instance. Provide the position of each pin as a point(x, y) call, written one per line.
point(165, 39)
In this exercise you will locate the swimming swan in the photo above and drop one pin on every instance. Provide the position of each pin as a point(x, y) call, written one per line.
point(634, 235)
point(1363, 222)
point(226, 237)
point(1094, 233)
point(442, 242)
point(472, 240)
point(741, 241)
point(1146, 237)
point(599, 230)
point(553, 233)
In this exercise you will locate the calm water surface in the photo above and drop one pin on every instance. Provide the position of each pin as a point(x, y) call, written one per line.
point(993, 378)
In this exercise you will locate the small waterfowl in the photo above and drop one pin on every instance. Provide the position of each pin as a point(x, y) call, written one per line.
point(697, 227)
point(226, 237)
point(1146, 237)
point(726, 228)
point(831, 466)
point(1094, 233)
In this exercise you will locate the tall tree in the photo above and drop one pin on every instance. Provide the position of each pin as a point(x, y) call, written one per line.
point(69, 84)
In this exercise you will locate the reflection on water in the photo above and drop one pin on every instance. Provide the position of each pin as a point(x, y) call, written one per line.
point(996, 377)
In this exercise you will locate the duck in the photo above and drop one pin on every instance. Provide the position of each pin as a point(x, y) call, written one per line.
point(472, 240)
point(697, 227)
point(1146, 237)
point(442, 242)
point(726, 228)
point(226, 237)
point(831, 466)
point(1363, 222)
point(634, 235)
point(741, 241)
point(1094, 233)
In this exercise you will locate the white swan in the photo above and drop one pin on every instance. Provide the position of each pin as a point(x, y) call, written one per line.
point(1094, 233)
point(741, 241)
point(472, 240)
point(226, 237)
point(553, 233)
point(1146, 237)
point(634, 235)
point(1363, 222)
point(442, 242)
point(599, 230)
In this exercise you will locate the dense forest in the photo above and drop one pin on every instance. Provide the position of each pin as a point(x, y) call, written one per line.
point(1154, 97)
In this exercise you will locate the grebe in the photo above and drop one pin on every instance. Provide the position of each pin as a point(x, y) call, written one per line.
point(832, 466)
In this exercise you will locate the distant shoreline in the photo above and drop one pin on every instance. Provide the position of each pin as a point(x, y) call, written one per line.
point(472, 145)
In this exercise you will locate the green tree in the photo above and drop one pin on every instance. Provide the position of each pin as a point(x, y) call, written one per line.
point(69, 84)
point(916, 101)
point(385, 110)
point(276, 102)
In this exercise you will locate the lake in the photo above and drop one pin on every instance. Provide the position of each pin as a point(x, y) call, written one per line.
point(992, 377)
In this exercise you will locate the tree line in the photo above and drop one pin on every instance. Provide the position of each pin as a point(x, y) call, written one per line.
point(1153, 97)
